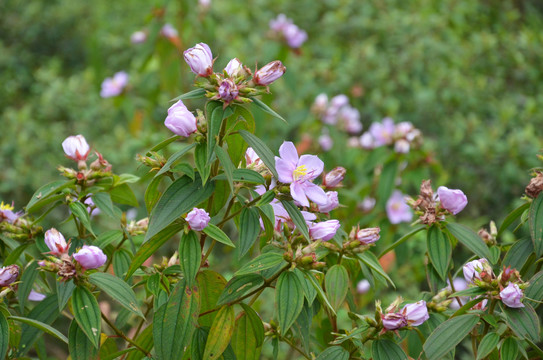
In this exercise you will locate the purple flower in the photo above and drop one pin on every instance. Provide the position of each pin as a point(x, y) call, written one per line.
point(91, 209)
point(351, 119)
point(382, 133)
point(114, 86)
point(279, 23)
point(234, 68)
point(334, 178)
point(452, 200)
point(326, 142)
point(8, 275)
point(294, 36)
point(363, 286)
point(204, 4)
point(331, 204)
point(339, 101)
point(299, 172)
point(324, 230)
point(366, 141)
point(228, 90)
point(198, 219)
point(168, 31)
point(512, 296)
point(401, 146)
point(55, 242)
point(138, 37)
point(473, 269)
point(269, 73)
point(76, 147)
point(416, 313)
point(397, 209)
point(320, 104)
point(200, 59)
point(7, 214)
point(459, 285)
point(180, 120)
point(252, 158)
point(394, 321)
point(367, 204)
point(365, 236)
point(35, 296)
point(90, 257)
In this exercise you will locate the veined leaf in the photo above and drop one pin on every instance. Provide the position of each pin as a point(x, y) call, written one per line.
point(470, 239)
point(193, 94)
point(297, 217)
point(4, 335)
point(289, 297)
point(261, 149)
point(523, 321)
point(536, 224)
point(103, 201)
point(248, 335)
point(211, 286)
point(514, 215)
point(334, 353)
point(41, 326)
point(118, 290)
point(336, 282)
point(385, 349)
point(227, 165)
point(172, 159)
point(249, 228)
point(371, 261)
point(46, 312)
point(79, 345)
point(239, 286)
point(261, 105)
point(40, 197)
point(87, 314)
point(487, 345)
point(220, 333)
point(217, 234)
point(80, 212)
point(262, 262)
point(190, 256)
point(439, 250)
point(449, 334)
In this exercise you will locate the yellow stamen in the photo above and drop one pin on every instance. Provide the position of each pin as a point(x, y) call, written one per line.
point(299, 172)
point(6, 206)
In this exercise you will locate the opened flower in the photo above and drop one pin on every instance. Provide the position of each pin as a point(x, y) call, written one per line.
point(299, 173)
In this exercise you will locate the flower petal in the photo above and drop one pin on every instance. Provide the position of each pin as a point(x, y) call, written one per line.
point(284, 170)
point(314, 166)
point(315, 193)
point(288, 152)
point(298, 193)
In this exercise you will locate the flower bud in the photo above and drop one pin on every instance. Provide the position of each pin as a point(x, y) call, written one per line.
point(473, 269)
point(269, 73)
point(334, 177)
point(114, 86)
point(512, 296)
point(365, 236)
point(394, 321)
point(228, 90)
point(234, 68)
point(55, 242)
point(252, 158)
point(8, 275)
point(90, 257)
point(331, 204)
point(180, 120)
point(363, 286)
point(200, 59)
point(452, 200)
point(324, 230)
point(76, 147)
point(416, 313)
point(198, 219)
point(535, 186)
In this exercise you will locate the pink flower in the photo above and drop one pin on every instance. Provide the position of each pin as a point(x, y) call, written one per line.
point(7, 214)
point(512, 296)
point(363, 286)
point(324, 230)
point(366, 141)
point(8, 275)
point(367, 204)
point(114, 86)
point(138, 37)
point(294, 36)
point(394, 321)
point(234, 68)
point(269, 73)
point(200, 59)
point(180, 120)
point(452, 200)
point(279, 23)
point(326, 142)
point(228, 90)
point(35, 296)
point(168, 31)
point(90, 257)
point(91, 209)
point(365, 236)
point(252, 158)
point(339, 101)
point(473, 269)
point(198, 219)
point(299, 173)
point(416, 313)
point(331, 204)
point(351, 119)
point(382, 133)
point(320, 104)
point(55, 242)
point(401, 146)
point(76, 147)
point(397, 209)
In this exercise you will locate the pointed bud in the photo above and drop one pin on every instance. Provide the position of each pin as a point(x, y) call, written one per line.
point(76, 147)
point(234, 68)
point(180, 120)
point(8, 275)
point(200, 59)
point(55, 242)
point(334, 178)
point(269, 73)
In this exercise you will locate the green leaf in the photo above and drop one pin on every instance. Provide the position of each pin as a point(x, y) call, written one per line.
point(523, 321)
point(249, 228)
point(145, 340)
point(518, 254)
point(439, 250)
point(190, 256)
point(227, 165)
point(384, 349)
point(152, 194)
point(261, 105)
point(122, 259)
point(320, 293)
point(509, 349)
point(487, 345)
point(200, 160)
point(180, 197)
point(336, 283)
point(470, 239)
point(514, 215)
point(449, 334)
point(262, 262)
point(123, 194)
point(217, 234)
point(297, 217)
point(172, 159)
point(536, 224)
point(401, 240)
point(211, 286)
point(41, 326)
point(87, 314)
point(118, 290)
point(14, 255)
point(80, 211)
point(40, 197)
point(248, 335)
point(239, 286)
point(103, 202)
point(214, 114)
point(289, 297)
point(193, 94)
point(371, 261)
point(266, 198)
point(220, 333)
point(162, 144)
point(174, 322)
point(64, 292)
point(4, 335)
point(151, 246)
point(108, 237)
point(261, 150)
point(242, 119)
point(535, 289)
point(27, 281)
point(244, 176)
point(471, 291)
point(309, 291)
point(386, 182)
point(46, 312)
point(334, 353)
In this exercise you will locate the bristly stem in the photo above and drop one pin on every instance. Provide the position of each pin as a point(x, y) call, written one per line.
point(122, 335)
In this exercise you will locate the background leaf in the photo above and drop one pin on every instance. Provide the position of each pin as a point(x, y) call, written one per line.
point(87, 314)
point(289, 297)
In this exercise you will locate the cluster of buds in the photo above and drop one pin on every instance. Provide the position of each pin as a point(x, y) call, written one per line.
point(393, 319)
point(433, 207)
point(77, 149)
point(15, 225)
point(361, 240)
point(236, 83)
point(155, 161)
point(285, 29)
point(507, 286)
point(305, 257)
point(535, 186)
point(253, 162)
point(137, 227)
point(403, 136)
point(65, 265)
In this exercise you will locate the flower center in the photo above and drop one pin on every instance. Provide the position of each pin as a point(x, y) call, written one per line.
point(300, 172)
point(6, 206)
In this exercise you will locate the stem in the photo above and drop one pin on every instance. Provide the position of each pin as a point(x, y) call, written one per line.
point(252, 202)
point(122, 335)
point(110, 258)
point(453, 289)
point(493, 303)
point(208, 252)
point(142, 321)
point(293, 346)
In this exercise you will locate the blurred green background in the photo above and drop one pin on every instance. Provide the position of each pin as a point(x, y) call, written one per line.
point(467, 73)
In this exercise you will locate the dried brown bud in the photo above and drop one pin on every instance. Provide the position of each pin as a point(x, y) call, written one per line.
point(535, 186)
